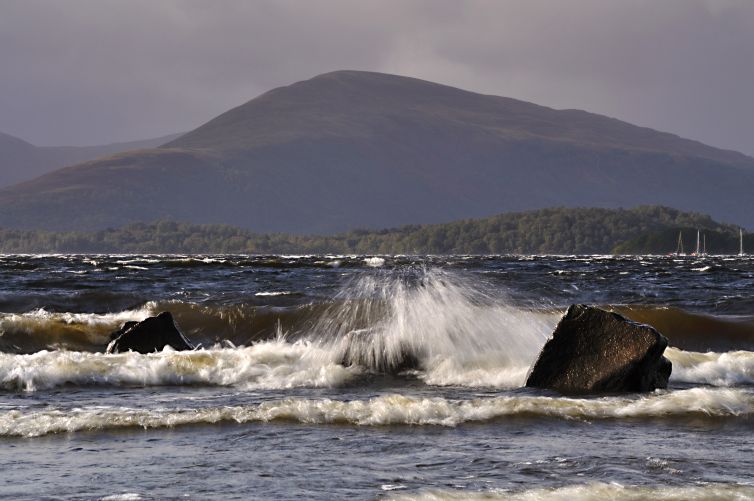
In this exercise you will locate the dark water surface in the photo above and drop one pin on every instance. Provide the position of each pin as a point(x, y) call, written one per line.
point(286, 398)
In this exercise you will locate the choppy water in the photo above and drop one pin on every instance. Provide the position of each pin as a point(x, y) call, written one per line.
point(288, 396)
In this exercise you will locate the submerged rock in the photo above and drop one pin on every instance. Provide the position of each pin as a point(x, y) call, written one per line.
point(149, 335)
point(363, 348)
point(595, 351)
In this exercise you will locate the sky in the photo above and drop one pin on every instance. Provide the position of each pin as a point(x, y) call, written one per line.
point(80, 72)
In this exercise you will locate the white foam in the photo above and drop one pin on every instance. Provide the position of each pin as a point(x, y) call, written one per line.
point(126, 496)
point(460, 334)
point(593, 491)
point(270, 365)
point(387, 410)
point(718, 369)
point(50, 328)
point(273, 293)
point(374, 262)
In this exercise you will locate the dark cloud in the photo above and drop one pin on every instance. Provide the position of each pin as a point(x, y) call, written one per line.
point(92, 71)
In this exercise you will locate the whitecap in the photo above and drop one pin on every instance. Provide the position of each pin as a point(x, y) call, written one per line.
point(592, 491)
point(387, 410)
point(374, 262)
point(718, 369)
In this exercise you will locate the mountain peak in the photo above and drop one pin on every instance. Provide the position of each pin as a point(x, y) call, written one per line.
point(352, 149)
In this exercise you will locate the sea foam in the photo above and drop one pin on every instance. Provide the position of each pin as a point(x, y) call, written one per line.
point(270, 365)
point(592, 491)
point(717, 369)
point(393, 409)
point(457, 332)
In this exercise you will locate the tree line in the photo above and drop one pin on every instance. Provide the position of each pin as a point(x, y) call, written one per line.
point(641, 230)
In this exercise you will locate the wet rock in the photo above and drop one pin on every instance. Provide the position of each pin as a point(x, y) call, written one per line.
point(149, 335)
point(115, 335)
point(595, 351)
point(362, 348)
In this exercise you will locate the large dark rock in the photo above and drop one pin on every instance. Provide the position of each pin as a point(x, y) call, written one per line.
point(150, 335)
point(595, 351)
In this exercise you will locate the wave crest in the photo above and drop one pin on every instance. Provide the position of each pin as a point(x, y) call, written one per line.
point(270, 365)
point(697, 403)
point(597, 491)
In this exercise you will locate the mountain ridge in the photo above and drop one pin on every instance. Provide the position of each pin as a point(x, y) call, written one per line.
point(23, 161)
point(353, 149)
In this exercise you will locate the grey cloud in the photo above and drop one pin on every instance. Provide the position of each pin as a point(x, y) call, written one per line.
point(92, 71)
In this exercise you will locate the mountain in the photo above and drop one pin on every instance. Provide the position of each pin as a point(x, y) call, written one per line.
point(21, 161)
point(358, 149)
point(642, 230)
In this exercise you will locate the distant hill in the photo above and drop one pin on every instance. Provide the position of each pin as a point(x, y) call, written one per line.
point(358, 149)
point(647, 229)
point(21, 161)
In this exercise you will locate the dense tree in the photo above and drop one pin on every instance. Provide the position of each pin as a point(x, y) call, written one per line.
point(645, 229)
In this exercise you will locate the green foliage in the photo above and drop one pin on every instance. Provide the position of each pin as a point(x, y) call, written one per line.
point(645, 229)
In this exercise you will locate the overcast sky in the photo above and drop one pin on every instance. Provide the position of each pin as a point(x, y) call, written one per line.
point(96, 71)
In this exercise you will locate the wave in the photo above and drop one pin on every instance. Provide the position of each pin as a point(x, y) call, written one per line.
point(43, 330)
point(279, 364)
point(454, 330)
point(386, 410)
point(695, 331)
point(451, 329)
point(240, 324)
point(269, 365)
point(717, 369)
point(596, 491)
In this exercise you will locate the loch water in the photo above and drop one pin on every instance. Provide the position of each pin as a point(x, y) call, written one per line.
point(290, 394)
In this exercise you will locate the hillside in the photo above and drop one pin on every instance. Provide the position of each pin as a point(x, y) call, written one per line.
point(547, 231)
point(357, 149)
point(21, 161)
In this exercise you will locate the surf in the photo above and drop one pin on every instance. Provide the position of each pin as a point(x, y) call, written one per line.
point(390, 410)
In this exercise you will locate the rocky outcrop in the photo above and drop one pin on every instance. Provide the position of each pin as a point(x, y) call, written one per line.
point(595, 351)
point(150, 335)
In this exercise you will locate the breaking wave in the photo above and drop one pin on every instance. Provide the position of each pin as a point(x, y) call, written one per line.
point(44, 330)
point(279, 364)
point(269, 365)
point(717, 369)
point(450, 329)
point(696, 331)
point(597, 491)
point(696, 403)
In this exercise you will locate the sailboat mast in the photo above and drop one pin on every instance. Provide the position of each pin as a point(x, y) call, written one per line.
point(698, 250)
point(741, 242)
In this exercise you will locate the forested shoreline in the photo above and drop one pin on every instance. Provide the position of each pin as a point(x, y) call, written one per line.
point(641, 230)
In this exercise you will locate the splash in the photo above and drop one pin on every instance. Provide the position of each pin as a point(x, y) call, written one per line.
point(444, 324)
